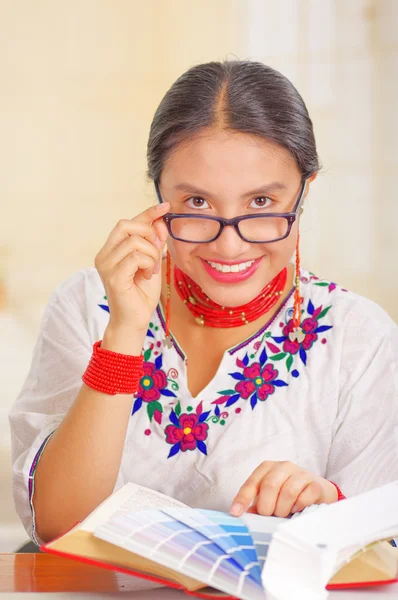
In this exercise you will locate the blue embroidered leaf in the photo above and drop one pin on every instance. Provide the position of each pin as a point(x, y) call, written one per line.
point(303, 355)
point(178, 409)
point(158, 362)
point(137, 405)
point(238, 376)
point(199, 408)
point(174, 419)
point(149, 333)
point(263, 357)
point(245, 360)
point(204, 416)
point(226, 392)
point(174, 450)
point(279, 340)
point(323, 328)
point(310, 308)
point(166, 392)
point(202, 447)
point(253, 400)
point(104, 307)
point(232, 400)
point(289, 362)
point(278, 383)
point(217, 411)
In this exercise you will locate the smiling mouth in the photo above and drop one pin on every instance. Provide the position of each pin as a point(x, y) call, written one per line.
point(236, 268)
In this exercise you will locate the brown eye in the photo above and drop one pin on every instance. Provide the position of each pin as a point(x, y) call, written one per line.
point(261, 202)
point(196, 202)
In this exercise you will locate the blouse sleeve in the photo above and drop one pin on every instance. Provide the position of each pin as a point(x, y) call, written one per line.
point(60, 357)
point(364, 450)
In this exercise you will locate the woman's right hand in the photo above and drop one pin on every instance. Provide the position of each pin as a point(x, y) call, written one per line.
point(129, 265)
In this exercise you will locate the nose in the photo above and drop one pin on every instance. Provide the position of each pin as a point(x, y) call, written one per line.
point(229, 244)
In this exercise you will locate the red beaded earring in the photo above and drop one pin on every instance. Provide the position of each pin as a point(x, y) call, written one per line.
point(168, 296)
point(297, 334)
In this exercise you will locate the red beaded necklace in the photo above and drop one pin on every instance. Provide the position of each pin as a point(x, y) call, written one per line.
point(207, 312)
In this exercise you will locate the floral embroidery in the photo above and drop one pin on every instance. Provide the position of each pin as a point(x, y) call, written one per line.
point(320, 282)
point(258, 379)
point(187, 431)
point(310, 326)
point(255, 380)
point(153, 385)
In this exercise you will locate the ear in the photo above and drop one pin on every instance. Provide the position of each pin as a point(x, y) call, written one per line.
point(309, 181)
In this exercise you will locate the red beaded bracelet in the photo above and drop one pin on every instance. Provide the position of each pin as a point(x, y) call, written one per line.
point(113, 373)
point(340, 495)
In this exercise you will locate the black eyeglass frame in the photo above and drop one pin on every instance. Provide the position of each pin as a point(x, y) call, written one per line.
point(290, 218)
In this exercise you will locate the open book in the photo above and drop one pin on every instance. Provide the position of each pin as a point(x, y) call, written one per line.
point(213, 554)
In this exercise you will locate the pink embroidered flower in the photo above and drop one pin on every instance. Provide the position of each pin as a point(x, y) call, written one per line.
point(189, 433)
point(308, 326)
point(257, 379)
point(152, 383)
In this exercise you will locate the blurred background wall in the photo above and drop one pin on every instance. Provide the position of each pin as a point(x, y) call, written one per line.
point(80, 81)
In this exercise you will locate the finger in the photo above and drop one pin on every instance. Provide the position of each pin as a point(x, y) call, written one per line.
point(271, 485)
point(311, 494)
point(153, 212)
point(129, 245)
point(122, 230)
point(161, 229)
point(121, 278)
point(290, 491)
point(249, 490)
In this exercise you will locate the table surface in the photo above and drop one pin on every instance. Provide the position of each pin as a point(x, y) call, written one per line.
point(38, 573)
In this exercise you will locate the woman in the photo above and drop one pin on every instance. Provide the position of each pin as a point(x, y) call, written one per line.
point(223, 375)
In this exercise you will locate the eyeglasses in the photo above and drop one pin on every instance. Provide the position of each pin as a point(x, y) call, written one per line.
point(254, 228)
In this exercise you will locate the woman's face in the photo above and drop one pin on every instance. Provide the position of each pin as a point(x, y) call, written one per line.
point(219, 173)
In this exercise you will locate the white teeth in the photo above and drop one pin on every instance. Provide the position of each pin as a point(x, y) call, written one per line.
point(231, 268)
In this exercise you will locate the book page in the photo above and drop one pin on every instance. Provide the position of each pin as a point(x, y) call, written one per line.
point(362, 519)
point(131, 497)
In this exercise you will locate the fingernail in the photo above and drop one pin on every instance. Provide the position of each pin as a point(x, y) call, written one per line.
point(237, 509)
point(156, 271)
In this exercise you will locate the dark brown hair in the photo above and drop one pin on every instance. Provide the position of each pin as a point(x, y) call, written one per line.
point(243, 96)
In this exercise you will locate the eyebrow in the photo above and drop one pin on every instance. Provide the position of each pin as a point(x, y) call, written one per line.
point(264, 189)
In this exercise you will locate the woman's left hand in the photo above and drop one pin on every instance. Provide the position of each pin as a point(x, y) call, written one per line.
point(281, 488)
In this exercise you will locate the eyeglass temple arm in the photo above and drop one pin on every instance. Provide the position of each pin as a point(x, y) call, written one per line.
point(158, 194)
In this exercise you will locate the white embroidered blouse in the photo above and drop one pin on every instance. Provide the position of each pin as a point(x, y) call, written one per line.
point(328, 403)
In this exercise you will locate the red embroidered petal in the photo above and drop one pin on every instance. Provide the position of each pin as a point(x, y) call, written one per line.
point(245, 388)
point(200, 431)
point(310, 338)
point(174, 435)
point(291, 347)
point(148, 368)
point(159, 379)
point(150, 395)
point(252, 372)
point(188, 442)
point(269, 373)
point(265, 390)
point(188, 420)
